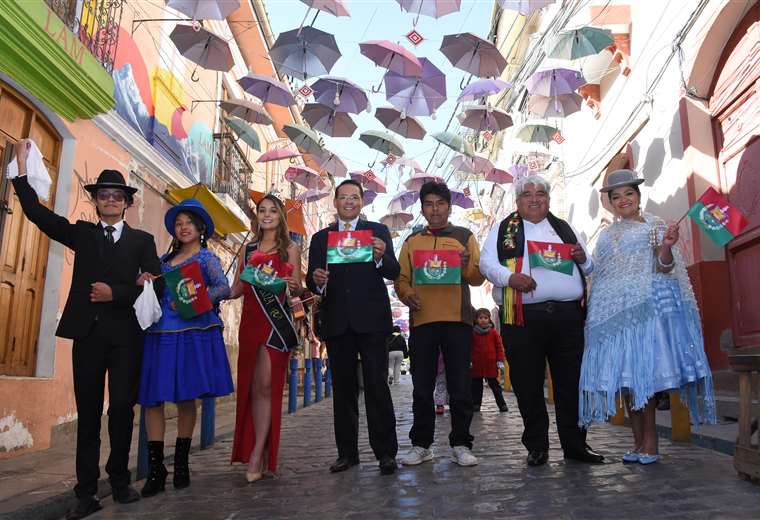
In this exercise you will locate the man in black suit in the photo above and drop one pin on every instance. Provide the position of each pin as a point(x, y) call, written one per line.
point(356, 319)
point(100, 318)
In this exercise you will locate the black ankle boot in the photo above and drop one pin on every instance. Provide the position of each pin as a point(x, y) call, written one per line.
point(181, 467)
point(156, 481)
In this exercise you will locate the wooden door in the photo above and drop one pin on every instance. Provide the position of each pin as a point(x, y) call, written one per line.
point(23, 248)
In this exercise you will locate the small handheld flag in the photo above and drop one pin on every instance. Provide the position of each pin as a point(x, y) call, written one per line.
point(188, 290)
point(349, 247)
point(717, 219)
point(264, 277)
point(437, 267)
point(552, 256)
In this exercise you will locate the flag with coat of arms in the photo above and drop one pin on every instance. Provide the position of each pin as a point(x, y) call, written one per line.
point(717, 219)
point(437, 267)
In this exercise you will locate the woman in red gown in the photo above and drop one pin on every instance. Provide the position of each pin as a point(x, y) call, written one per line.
point(261, 367)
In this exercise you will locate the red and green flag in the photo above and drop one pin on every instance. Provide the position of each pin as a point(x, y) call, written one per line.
point(553, 256)
point(437, 267)
point(349, 247)
point(718, 219)
point(188, 290)
point(263, 276)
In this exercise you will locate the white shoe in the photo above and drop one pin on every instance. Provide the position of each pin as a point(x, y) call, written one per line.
point(417, 455)
point(463, 456)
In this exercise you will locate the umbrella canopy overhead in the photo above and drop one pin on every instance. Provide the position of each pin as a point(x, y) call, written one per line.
point(556, 106)
point(204, 9)
point(417, 95)
point(306, 139)
point(304, 53)
point(525, 7)
point(473, 54)
point(409, 163)
point(246, 110)
point(482, 87)
point(485, 117)
point(340, 94)
point(369, 180)
point(572, 44)
point(536, 133)
point(455, 142)
point(277, 154)
point(313, 195)
point(499, 176)
point(396, 221)
point(403, 200)
point(382, 142)
point(432, 8)
point(331, 163)
point(416, 181)
point(476, 165)
point(369, 197)
point(554, 82)
point(391, 56)
point(306, 177)
point(328, 121)
point(267, 89)
point(225, 221)
point(202, 47)
point(244, 131)
point(458, 198)
point(404, 125)
point(333, 7)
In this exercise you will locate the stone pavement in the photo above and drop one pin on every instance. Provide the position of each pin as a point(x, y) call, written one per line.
point(689, 482)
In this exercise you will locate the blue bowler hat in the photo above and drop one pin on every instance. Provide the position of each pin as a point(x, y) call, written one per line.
point(192, 206)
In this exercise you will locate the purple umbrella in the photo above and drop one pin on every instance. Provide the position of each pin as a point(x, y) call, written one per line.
point(403, 200)
point(391, 56)
point(305, 53)
point(328, 121)
point(267, 89)
point(482, 87)
point(556, 106)
point(525, 7)
point(404, 125)
point(312, 195)
point(485, 117)
point(476, 165)
point(202, 47)
point(554, 82)
point(331, 163)
point(340, 94)
point(417, 96)
point(473, 54)
point(458, 198)
point(518, 170)
point(369, 197)
point(433, 8)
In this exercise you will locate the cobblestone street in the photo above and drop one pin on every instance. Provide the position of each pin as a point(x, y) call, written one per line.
point(688, 482)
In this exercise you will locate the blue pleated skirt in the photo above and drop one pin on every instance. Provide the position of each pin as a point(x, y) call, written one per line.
point(179, 366)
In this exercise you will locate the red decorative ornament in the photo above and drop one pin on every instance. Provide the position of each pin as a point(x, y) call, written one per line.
point(487, 135)
point(557, 137)
point(305, 91)
point(297, 204)
point(414, 37)
point(390, 159)
point(370, 175)
point(466, 191)
point(532, 165)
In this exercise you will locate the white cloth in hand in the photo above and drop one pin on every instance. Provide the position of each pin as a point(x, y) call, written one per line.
point(500, 365)
point(147, 308)
point(36, 173)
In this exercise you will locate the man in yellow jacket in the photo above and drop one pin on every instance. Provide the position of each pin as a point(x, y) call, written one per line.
point(438, 264)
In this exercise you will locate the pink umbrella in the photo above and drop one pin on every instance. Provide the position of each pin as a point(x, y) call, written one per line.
point(328, 121)
point(340, 94)
point(498, 176)
point(555, 106)
point(369, 180)
point(404, 125)
point(391, 56)
point(396, 221)
point(476, 165)
point(277, 154)
point(473, 54)
point(416, 181)
point(485, 117)
point(331, 163)
point(312, 195)
point(409, 163)
point(306, 177)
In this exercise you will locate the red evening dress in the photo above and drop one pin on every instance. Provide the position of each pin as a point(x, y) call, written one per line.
point(254, 331)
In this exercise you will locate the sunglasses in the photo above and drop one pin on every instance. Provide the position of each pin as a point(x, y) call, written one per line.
point(116, 195)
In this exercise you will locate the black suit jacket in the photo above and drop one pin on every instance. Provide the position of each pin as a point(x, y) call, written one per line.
point(356, 295)
point(119, 267)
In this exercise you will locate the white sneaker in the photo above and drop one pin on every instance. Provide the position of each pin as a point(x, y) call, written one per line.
point(417, 455)
point(463, 456)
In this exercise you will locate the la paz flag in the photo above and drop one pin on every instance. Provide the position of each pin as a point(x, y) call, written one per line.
point(437, 267)
point(188, 290)
point(552, 256)
point(717, 218)
point(264, 277)
point(349, 247)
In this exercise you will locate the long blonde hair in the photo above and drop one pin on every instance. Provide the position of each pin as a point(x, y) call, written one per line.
point(282, 235)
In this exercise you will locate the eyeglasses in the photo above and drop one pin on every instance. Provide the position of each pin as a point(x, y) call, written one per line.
point(116, 195)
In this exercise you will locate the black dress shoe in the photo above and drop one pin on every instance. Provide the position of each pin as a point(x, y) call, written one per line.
point(343, 463)
point(85, 507)
point(586, 455)
point(387, 465)
point(537, 457)
point(125, 495)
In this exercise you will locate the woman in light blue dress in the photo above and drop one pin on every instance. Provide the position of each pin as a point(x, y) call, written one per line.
point(643, 331)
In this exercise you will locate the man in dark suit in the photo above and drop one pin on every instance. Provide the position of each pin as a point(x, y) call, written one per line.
point(356, 319)
point(100, 318)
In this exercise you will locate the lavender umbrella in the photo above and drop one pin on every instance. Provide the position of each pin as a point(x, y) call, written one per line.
point(396, 221)
point(369, 180)
point(417, 96)
point(369, 197)
point(331, 163)
point(554, 82)
point(306, 177)
point(482, 87)
point(473, 54)
point(476, 165)
point(458, 198)
point(485, 117)
point(391, 56)
point(403, 200)
point(304, 53)
point(432, 8)
point(334, 7)
point(204, 9)
point(202, 47)
point(416, 181)
point(525, 7)
point(557, 106)
point(340, 94)
point(267, 89)
point(312, 195)
point(328, 121)
point(246, 110)
point(404, 125)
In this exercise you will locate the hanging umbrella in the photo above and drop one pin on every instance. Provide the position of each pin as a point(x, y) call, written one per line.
point(369, 180)
point(525, 7)
point(382, 142)
point(369, 197)
point(417, 95)
point(518, 170)
point(554, 82)
point(333, 7)
point(455, 142)
point(391, 56)
point(396, 221)
point(458, 198)
point(572, 44)
point(204, 9)
point(244, 131)
point(485, 117)
point(328, 121)
point(536, 133)
point(409, 163)
point(202, 47)
point(416, 181)
point(557, 106)
point(340, 94)
point(267, 89)
point(406, 126)
point(432, 8)
point(305, 52)
point(306, 139)
point(246, 110)
point(277, 154)
point(476, 165)
point(474, 214)
point(312, 195)
point(306, 177)
point(482, 87)
point(498, 176)
point(473, 54)
point(331, 163)
point(403, 200)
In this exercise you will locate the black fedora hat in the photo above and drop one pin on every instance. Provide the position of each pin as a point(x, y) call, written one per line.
point(110, 179)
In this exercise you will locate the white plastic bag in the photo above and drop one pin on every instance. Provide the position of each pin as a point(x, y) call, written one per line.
point(147, 308)
point(36, 173)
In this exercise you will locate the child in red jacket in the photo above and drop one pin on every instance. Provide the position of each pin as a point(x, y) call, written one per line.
point(487, 359)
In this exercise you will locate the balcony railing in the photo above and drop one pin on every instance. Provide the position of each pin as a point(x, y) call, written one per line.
point(233, 173)
point(95, 22)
